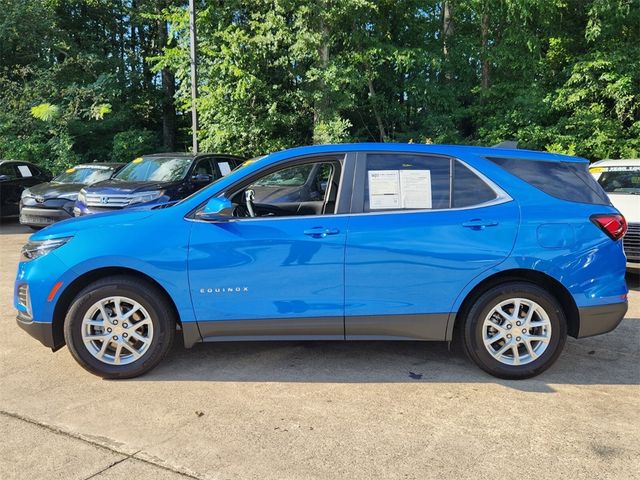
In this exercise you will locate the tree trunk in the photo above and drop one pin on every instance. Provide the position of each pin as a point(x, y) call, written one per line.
point(168, 92)
point(146, 50)
point(447, 26)
point(133, 47)
point(485, 61)
point(447, 35)
point(322, 106)
point(372, 96)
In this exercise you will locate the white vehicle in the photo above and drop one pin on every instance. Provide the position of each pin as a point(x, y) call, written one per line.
point(621, 180)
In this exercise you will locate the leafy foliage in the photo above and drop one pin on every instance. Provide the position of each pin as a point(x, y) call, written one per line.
point(133, 143)
point(94, 79)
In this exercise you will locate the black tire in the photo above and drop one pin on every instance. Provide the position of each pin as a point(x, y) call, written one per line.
point(149, 297)
point(481, 308)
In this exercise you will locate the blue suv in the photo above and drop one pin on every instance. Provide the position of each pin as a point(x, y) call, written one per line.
point(509, 250)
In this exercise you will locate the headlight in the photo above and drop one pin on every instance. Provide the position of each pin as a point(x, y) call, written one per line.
point(37, 248)
point(144, 197)
point(26, 193)
point(82, 196)
point(69, 196)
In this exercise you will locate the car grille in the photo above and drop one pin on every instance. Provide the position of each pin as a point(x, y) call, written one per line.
point(632, 242)
point(32, 219)
point(112, 201)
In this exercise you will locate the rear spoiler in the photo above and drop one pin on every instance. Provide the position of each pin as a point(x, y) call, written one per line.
point(509, 144)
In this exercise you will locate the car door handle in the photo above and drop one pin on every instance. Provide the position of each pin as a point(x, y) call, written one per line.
point(479, 224)
point(321, 232)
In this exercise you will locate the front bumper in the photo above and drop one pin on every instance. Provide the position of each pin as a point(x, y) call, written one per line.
point(600, 319)
point(42, 332)
point(40, 217)
point(633, 264)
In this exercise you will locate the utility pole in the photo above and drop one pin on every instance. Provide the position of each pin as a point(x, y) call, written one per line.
point(194, 75)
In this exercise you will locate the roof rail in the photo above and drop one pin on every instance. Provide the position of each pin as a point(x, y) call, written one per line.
point(510, 144)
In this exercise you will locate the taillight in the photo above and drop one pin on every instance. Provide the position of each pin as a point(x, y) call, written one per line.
point(613, 225)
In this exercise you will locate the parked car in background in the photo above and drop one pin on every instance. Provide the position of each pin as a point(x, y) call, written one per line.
point(511, 249)
point(154, 180)
point(306, 183)
point(621, 180)
point(49, 202)
point(15, 176)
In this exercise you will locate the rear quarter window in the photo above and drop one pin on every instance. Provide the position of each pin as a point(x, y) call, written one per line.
point(564, 180)
point(469, 189)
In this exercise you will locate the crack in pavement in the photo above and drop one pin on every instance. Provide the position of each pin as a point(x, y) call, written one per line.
point(81, 438)
point(110, 466)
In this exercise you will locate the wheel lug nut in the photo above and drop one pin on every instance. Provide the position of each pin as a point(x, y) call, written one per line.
point(109, 330)
point(518, 339)
point(509, 326)
point(518, 323)
point(524, 330)
point(115, 337)
point(125, 325)
point(115, 322)
point(508, 335)
point(124, 335)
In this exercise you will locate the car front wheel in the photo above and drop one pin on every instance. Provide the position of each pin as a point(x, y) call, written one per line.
point(515, 330)
point(119, 327)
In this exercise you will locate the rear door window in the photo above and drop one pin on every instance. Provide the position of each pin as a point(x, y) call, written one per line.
point(225, 166)
point(405, 182)
point(569, 181)
point(422, 182)
point(25, 171)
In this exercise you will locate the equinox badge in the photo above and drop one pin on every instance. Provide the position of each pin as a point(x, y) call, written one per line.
point(225, 290)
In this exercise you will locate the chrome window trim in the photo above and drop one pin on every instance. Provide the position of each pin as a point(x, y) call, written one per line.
point(497, 201)
point(501, 197)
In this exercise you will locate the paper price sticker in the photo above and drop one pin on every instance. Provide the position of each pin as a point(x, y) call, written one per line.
point(389, 189)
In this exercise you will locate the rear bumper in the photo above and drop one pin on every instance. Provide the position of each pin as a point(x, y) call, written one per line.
point(43, 332)
point(600, 319)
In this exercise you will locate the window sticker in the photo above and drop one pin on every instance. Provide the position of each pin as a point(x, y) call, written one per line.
point(24, 171)
point(225, 168)
point(415, 187)
point(390, 189)
point(384, 189)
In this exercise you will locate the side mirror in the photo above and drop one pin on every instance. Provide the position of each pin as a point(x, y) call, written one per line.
point(4, 178)
point(218, 209)
point(202, 178)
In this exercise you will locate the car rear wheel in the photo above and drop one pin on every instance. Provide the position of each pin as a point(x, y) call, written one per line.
point(119, 327)
point(515, 330)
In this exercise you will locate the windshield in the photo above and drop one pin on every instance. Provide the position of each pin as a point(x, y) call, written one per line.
point(84, 175)
point(155, 169)
point(289, 177)
point(621, 181)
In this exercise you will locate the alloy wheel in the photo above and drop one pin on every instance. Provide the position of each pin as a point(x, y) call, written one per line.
point(117, 330)
point(516, 331)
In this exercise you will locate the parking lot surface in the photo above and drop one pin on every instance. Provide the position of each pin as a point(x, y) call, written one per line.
point(295, 410)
